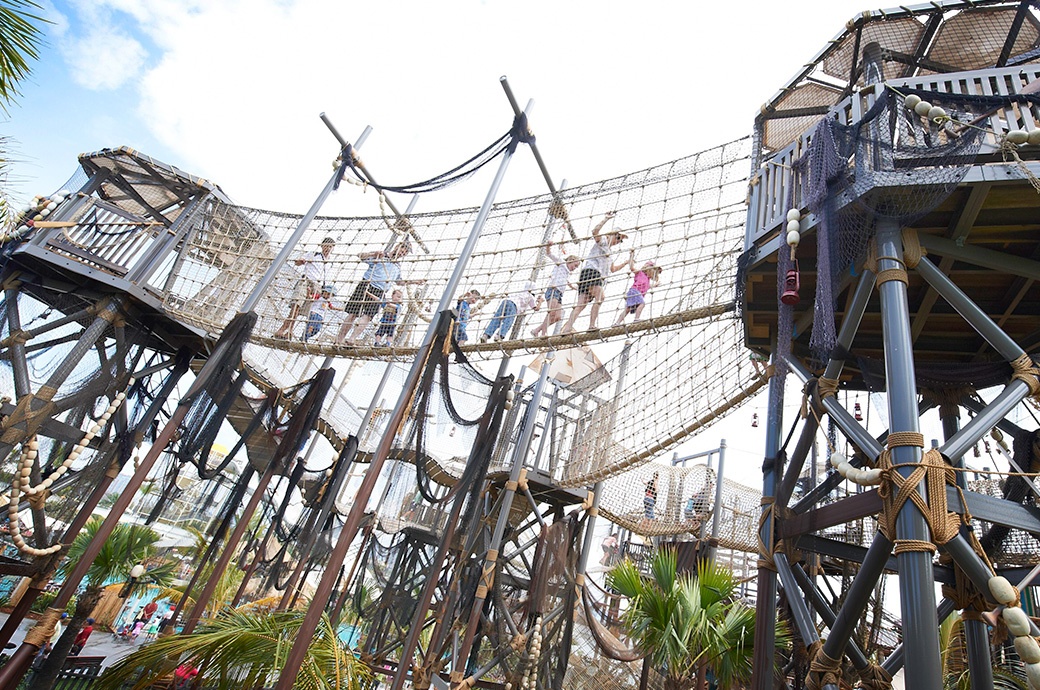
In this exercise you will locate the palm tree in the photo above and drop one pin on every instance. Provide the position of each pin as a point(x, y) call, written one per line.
point(20, 40)
point(241, 649)
point(126, 547)
point(689, 624)
point(956, 676)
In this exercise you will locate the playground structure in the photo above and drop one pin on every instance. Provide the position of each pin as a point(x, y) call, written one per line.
point(484, 488)
point(889, 249)
point(456, 527)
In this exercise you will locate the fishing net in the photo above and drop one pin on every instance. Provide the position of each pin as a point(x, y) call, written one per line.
point(891, 164)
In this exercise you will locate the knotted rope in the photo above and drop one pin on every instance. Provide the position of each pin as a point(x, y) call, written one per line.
point(874, 677)
point(896, 490)
point(912, 254)
point(1026, 371)
point(823, 669)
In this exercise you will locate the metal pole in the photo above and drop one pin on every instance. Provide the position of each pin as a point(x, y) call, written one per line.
point(916, 584)
point(858, 597)
point(520, 452)
point(976, 635)
point(765, 603)
point(290, 245)
point(716, 520)
point(294, 660)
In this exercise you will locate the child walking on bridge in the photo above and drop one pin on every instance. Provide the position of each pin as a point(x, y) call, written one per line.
point(642, 280)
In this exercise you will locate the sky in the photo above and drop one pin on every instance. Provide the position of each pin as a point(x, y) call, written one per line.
point(231, 90)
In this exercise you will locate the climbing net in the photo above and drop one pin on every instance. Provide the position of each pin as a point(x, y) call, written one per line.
point(659, 500)
point(686, 217)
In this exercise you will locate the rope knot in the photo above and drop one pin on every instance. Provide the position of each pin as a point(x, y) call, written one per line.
point(823, 670)
point(1026, 371)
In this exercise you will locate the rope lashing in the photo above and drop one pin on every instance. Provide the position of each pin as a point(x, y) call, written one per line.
point(912, 254)
point(823, 669)
point(896, 490)
point(874, 677)
point(1026, 371)
point(765, 551)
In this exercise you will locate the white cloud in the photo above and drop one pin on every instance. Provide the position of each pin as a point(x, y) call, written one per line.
point(235, 86)
point(104, 58)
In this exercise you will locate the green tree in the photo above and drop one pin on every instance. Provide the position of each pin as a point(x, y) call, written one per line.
point(242, 650)
point(127, 546)
point(689, 624)
point(956, 676)
point(20, 41)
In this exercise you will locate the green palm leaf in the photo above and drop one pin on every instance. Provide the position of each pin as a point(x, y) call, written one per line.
point(242, 650)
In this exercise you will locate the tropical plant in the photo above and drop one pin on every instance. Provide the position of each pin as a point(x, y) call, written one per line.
point(127, 546)
point(224, 591)
point(20, 40)
point(242, 650)
point(689, 625)
point(956, 676)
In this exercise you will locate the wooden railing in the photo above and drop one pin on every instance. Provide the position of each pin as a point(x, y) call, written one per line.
point(775, 186)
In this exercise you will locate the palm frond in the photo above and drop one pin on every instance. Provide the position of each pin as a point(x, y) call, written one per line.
point(240, 650)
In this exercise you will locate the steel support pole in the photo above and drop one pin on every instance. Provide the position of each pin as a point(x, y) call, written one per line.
point(290, 245)
point(858, 597)
point(987, 418)
point(916, 584)
point(799, 611)
point(976, 634)
point(520, 453)
point(765, 603)
point(229, 550)
point(294, 660)
point(815, 597)
point(969, 311)
point(852, 429)
point(716, 518)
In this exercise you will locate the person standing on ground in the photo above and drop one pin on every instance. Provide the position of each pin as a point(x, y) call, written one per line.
point(81, 637)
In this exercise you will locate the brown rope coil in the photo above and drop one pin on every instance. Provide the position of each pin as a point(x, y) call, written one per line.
point(890, 274)
point(874, 677)
point(1026, 371)
point(896, 490)
point(823, 669)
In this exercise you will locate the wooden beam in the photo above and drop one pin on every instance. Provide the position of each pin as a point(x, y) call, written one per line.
point(965, 220)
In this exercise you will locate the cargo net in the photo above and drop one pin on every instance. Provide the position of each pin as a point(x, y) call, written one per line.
point(892, 164)
point(686, 217)
point(657, 391)
point(63, 474)
point(659, 500)
point(431, 454)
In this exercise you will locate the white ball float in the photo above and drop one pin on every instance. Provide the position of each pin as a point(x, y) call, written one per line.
point(936, 113)
point(794, 214)
point(1018, 136)
point(1002, 590)
point(793, 238)
point(1033, 675)
point(1016, 620)
point(871, 477)
point(1028, 650)
point(911, 101)
point(1033, 138)
point(923, 108)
